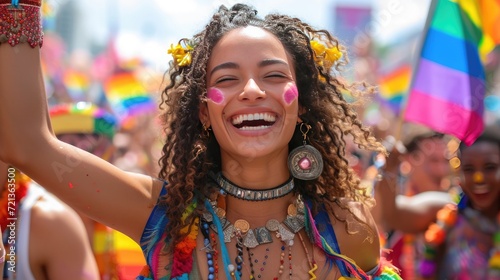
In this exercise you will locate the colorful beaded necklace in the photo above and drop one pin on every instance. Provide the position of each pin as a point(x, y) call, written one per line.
point(293, 223)
point(436, 235)
point(214, 218)
point(346, 265)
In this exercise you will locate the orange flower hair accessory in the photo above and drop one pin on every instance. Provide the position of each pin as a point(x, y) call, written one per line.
point(182, 52)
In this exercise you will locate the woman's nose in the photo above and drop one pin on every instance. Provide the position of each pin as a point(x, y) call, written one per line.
point(478, 177)
point(252, 91)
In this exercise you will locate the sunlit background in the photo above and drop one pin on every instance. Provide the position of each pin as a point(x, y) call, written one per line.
point(114, 53)
point(145, 28)
point(88, 41)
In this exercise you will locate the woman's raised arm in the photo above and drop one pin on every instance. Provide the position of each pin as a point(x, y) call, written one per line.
point(87, 183)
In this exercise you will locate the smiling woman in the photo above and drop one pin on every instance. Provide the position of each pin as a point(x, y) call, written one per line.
point(254, 181)
point(465, 240)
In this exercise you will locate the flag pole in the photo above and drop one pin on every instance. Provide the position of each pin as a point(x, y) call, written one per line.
point(428, 22)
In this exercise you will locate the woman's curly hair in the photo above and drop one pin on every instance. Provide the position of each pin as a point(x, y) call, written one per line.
point(188, 155)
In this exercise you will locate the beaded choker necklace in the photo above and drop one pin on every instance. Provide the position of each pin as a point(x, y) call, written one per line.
point(228, 187)
point(251, 238)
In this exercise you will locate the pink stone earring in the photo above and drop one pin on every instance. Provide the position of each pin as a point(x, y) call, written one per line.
point(305, 162)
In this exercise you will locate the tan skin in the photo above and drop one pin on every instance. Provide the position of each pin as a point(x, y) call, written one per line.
point(413, 214)
point(3, 178)
point(30, 145)
point(262, 88)
point(58, 246)
point(96, 146)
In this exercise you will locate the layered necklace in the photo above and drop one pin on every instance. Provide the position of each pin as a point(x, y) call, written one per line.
point(249, 238)
point(285, 230)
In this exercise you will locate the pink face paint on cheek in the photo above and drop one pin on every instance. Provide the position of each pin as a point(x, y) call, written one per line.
point(291, 94)
point(215, 95)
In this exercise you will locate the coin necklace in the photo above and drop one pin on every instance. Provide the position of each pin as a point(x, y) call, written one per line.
point(251, 238)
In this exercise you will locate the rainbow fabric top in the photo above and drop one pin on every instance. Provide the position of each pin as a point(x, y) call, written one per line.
point(82, 117)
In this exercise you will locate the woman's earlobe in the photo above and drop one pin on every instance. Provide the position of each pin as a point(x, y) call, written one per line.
point(302, 110)
point(203, 114)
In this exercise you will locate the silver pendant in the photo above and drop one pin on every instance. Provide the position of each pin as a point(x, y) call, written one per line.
point(207, 217)
point(228, 233)
point(284, 234)
point(224, 224)
point(272, 225)
point(294, 224)
point(263, 235)
point(249, 240)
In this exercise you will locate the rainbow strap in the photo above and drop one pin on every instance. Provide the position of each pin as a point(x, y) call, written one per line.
point(347, 266)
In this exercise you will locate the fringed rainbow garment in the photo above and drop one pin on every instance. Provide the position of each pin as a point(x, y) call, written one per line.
point(180, 267)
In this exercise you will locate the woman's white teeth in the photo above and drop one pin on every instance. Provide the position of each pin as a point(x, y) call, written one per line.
point(480, 189)
point(254, 117)
point(254, 127)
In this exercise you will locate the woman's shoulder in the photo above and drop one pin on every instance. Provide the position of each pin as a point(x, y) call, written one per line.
point(157, 221)
point(356, 232)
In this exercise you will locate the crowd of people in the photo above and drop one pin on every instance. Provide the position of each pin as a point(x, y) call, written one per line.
point(264, 171)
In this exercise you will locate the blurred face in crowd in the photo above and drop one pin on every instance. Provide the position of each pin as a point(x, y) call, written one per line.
point(429, 165)
point(480, 167)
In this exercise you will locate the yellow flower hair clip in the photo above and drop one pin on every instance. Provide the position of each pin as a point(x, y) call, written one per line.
point(181, 53)
point(325, 56)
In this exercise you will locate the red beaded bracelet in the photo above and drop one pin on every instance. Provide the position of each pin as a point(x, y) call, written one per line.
point(37, 3)
point(21, 24)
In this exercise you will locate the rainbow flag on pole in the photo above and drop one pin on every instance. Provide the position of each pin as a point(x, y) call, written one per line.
point(128, 97)
point(393, 87)
point(448, 86)
point(77, 83)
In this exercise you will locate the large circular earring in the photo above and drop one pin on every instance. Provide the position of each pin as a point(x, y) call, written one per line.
point(305, 162)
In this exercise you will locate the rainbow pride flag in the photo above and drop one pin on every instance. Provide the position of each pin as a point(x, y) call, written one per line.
point(448, 87)
point(489, 15)
point(394, 86)
point(128, 97)
point(77, 83)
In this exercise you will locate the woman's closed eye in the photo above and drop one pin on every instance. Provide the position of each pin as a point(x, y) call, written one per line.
point(276, 75)
point(225, 80)
point(490, 167)
point(468, 170)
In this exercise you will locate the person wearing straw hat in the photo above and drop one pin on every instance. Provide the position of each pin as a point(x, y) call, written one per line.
point(92, 128)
